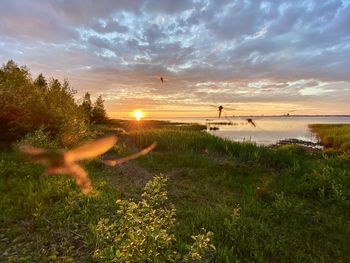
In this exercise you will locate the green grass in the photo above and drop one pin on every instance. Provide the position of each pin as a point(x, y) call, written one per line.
point(333, 136)
point(132, 125)
point(48, 219)
point(289, 199)
point(263, 205)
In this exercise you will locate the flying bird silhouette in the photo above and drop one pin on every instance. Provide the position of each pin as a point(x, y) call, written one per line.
point(162, 80)
point(250, 120)
point(61, 162)
point(221, 108)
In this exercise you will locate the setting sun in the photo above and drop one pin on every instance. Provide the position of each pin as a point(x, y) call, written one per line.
point(138, 115)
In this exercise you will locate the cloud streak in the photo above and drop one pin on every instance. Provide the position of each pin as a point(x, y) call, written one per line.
point(240, 52)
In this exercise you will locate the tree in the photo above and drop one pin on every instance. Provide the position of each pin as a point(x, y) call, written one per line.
point(25, 107)
point(16, 100)
point(99, 112)
point(55, 85)
point(87, 106)
point(41, 82)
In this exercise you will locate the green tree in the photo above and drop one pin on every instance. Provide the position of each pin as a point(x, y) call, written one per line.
point(99, 112)
point(16, 100)
point(41, 82)
point(26, 107)
point(87, 106)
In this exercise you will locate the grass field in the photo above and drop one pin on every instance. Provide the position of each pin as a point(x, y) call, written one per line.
point(263, 205)
point(333, 136)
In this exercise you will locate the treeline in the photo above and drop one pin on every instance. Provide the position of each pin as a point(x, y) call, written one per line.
point(28, 105)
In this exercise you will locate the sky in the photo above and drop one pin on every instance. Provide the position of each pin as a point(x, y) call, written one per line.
point(257, 57)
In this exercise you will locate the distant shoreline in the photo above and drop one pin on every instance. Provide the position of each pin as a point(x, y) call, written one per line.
point(330, 116)
point(239, 116)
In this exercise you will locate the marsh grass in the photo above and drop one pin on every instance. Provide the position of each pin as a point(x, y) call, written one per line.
point(202, 142)
point(333, 136)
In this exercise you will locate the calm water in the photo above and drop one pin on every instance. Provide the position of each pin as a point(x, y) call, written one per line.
point(268, 130)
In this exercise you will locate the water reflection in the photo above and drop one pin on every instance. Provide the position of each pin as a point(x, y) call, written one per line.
point(270, 130)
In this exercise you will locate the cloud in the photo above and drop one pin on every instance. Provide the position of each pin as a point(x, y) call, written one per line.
point(108, 27)
point(291, 53)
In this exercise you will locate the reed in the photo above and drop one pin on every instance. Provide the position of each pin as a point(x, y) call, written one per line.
point(333, 136)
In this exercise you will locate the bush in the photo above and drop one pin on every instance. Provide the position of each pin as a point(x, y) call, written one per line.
point(143, 231)
point(38, 138)
point(28, 105)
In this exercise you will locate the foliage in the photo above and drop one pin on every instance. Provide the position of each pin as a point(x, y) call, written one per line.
point(86, 105)
point(202, 249)
point(333, 136)
point(202, 142)
point(38, 138)
point(40, 82)
point(95, 113)
point(143, 231)
point(98, 113)
point(27, 105)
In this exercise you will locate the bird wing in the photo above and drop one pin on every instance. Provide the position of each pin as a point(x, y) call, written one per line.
point(130, 157)
point(81, 177)
point(90, 149)
point(215, 106)
point(36, 155)
point(30, 150)
point(226, 108)
point(252, 122)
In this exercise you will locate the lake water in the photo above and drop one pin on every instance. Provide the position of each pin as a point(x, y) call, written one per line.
point(268, 130)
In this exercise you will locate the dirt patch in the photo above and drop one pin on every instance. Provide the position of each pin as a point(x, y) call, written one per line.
point(129, 177)
point(177, 172)
point(130, 174)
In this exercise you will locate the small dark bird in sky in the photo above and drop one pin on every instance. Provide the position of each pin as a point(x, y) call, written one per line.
point(220, 110)
point(162, 80)
point(250, 120)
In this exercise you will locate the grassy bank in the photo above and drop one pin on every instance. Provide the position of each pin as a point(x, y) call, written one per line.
point(333, 136)
point(263, 205)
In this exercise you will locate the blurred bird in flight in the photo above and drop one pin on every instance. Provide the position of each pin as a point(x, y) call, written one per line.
point(162, 80)
point(221, 108)
point(130, 157)
point(250, 120)
point(64, 162)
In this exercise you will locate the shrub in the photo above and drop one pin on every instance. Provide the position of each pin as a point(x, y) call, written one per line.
point(143, 231)
point(38, 138)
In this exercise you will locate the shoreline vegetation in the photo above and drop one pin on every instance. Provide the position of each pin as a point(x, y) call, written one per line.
point(258, 203)
point(334, 137)
point(194, 198)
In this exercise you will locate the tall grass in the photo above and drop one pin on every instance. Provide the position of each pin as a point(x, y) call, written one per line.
point(202, 142)
point(336, 136)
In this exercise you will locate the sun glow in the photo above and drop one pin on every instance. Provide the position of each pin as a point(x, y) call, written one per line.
point(138, 115)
